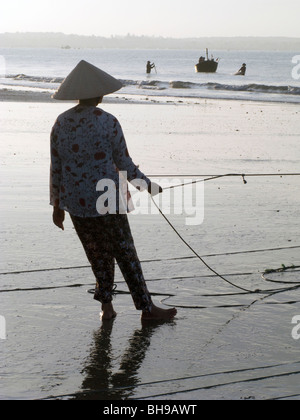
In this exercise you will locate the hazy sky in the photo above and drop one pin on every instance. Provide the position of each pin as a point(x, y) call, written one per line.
point(169, 18)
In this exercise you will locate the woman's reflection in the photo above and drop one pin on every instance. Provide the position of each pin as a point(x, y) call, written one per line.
point(100, 382)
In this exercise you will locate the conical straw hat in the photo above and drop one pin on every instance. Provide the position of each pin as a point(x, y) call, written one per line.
point(86, 81)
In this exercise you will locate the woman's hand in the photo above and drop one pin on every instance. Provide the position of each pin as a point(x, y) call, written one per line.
point(59, 217)
point(154, 189)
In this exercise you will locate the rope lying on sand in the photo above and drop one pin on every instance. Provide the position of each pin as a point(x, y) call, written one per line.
point(217, 384)
point(194, 252)
point(211, 269)
point(81, 267)
point(210, 178)
point(206, 178)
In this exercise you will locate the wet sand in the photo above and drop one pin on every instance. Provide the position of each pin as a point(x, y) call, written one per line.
point(224, 343)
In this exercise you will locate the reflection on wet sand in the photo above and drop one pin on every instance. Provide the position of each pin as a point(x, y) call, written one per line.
point(100, 382)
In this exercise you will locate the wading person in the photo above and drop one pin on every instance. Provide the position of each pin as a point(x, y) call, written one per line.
point(87, 149)
point(149, 67)
point(242, 70)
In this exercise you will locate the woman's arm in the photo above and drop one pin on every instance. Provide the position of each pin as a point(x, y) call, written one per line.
point(124, 163)
point(55, 178)
point(123, 160)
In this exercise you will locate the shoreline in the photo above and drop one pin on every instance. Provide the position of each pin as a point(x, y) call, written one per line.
point(10, 95)
point(14, 95)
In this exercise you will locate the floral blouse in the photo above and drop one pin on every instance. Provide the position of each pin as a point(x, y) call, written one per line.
point(88, 146)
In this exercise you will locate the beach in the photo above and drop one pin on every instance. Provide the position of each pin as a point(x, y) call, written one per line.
point(225, 342)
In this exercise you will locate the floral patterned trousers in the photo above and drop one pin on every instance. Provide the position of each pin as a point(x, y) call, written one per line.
point(106, 239)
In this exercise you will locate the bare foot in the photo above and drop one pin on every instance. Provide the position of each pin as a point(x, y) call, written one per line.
point(159, 314)
point(108, 312)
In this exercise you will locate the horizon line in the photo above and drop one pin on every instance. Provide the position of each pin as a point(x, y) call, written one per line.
point(129, 35)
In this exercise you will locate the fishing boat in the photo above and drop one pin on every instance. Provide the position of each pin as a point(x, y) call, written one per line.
point(207, 65)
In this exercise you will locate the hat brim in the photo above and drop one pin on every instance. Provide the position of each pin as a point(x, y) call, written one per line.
point(86, 81)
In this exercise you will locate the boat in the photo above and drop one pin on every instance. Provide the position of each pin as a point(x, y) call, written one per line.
point(206, 65)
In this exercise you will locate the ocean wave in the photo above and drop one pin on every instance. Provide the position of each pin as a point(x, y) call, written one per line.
point(38, 79)
point(157, 85)
point(254, 87)
point(146, 84)
point(183, 85)
point(251, 87)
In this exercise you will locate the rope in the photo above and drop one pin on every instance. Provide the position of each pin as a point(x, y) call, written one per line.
point(281, 270)
point(206, 178)
point(166, 381)
point(218, 385)
point(197, 255)
point(210, 178)
point(225, 175)
point(80, 267)
point(257, 291)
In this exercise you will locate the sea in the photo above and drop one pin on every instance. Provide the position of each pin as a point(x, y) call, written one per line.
point(272, 76)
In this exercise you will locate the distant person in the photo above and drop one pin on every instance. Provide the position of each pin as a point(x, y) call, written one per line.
point(149, 67)
point(242, 71)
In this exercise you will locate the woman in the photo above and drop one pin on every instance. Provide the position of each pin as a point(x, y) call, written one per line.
point(88, 148)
